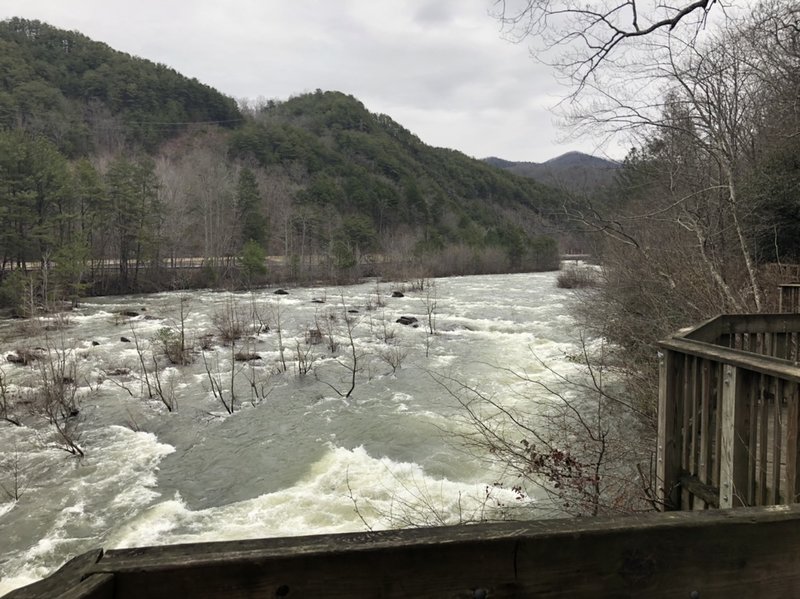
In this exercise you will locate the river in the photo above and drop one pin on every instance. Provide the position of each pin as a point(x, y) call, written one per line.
point(299, 458)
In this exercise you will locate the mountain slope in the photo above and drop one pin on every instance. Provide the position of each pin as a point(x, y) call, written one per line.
point(364, 163)
point(70, 88)
point(112, 157)
point(573, 171)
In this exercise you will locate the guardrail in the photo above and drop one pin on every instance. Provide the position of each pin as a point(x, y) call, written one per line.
point(729, 412)
point(716, 553)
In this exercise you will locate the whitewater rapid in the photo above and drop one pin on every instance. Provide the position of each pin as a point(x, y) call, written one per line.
point(303, 460)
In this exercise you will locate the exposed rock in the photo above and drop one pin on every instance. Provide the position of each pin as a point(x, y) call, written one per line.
point(398, 294)
point(246, 356)
point(313, 336)
point(129, 313)
point(352, 311)
point(25, 356)
point(206, 341)
point(406, 320)
point(118, 371)
point(281, 292)
point(316, 300)
point(95, 343)
point(124, 339)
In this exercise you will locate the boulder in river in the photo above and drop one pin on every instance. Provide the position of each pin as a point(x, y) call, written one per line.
point(406, 320)
point(281, 292)
point(25, 356)
point(118, 371)
point(398, 294)
point(124, 340)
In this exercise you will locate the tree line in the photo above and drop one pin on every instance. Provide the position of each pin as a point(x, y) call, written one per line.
point(115, 187)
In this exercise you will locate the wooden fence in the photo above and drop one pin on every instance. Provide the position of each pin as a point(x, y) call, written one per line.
point(728, 413)
point(716, 553)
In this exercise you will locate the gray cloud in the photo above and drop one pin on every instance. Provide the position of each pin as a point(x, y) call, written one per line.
point(439, 67)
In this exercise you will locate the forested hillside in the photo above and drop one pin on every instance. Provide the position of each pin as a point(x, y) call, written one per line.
point(116, 171)
point(86, 97)
point(575, 172)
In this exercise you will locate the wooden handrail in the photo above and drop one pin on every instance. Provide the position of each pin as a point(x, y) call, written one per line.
point(734, 324)
point(716, 553)
point(761, 364)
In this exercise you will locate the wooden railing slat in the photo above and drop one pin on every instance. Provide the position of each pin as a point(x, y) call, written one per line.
point(719, 370)
point(686, 430)
point(777, 411)
point(705, 419)
point(668, 450)
point(752, 462)
point(733, 469)
point(792, 444)
point(763, 442)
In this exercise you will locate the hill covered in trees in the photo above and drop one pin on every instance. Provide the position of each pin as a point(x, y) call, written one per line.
point(81, 94)
point(574, 171)
point(116, 170)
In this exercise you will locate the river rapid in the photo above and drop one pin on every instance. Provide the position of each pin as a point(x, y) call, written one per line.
point(297, 457)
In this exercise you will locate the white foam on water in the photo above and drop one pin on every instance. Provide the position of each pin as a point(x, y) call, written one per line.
point(339, 490)
point(117, 479)
point(111, 499)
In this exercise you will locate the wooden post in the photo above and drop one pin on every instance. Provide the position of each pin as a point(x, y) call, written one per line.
point(669, 433)
point(792, 445)
point(735, 435)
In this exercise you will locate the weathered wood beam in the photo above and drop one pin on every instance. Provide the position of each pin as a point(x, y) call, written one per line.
point(730, 324)
point(754, 362)
point(713, 553)
point(668, 452)
point(74, 580)
point(735, 438)
point(696, 487)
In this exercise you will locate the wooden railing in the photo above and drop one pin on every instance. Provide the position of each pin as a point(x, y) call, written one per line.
point(789, 297)
point(717, 553)
point(729, 412)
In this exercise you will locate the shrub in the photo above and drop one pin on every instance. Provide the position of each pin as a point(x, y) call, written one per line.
point(576, 278)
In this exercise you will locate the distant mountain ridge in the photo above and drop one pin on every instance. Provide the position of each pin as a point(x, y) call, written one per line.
point(574, 171)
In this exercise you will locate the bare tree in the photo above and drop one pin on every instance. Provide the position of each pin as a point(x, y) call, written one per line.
point(58, 396)
point(567, 436)
point(7, 402)
point(352, 360)
point(16, 475)
point(214, 374)
point(277, 312)
point(586, 35)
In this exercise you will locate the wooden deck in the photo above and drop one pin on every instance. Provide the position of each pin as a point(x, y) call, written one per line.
point(728, 413)
point(752, 552)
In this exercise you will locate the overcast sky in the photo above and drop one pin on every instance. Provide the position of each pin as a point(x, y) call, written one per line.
point(438, 67)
